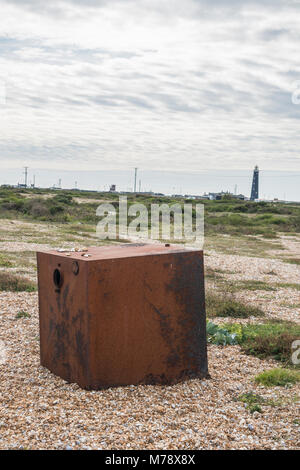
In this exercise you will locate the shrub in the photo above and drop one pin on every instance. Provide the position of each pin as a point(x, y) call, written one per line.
point(56, 209)
point(13, 283)
point(36, 208)
point(278, 347)
point(12, 204)
point(280, 377)
point(63, 199)
point(271, 339)
point(295, 221)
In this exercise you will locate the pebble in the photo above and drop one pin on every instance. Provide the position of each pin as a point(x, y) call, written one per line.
point(41, 411)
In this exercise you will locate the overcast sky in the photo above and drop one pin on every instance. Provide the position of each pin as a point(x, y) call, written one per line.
point(159, 84)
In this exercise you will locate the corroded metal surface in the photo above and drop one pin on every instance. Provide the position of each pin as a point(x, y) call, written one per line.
point(123, 315)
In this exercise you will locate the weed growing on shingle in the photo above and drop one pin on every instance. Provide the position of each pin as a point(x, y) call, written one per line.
point(23, 314)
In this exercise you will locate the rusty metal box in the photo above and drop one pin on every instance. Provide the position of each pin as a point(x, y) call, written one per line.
point(123, 314)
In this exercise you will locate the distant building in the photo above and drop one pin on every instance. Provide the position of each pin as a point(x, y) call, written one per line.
point(255, 183)
point(222, 194)
point(215, 196)
point(195, 197)
point(112, 188)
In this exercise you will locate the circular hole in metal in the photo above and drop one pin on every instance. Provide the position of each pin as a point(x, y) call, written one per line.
point(57, 278)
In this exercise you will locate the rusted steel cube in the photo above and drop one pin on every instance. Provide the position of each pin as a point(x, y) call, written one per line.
point(123, 314)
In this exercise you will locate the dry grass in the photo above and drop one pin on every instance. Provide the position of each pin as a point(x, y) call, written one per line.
point(224, 305)
point(13, 283)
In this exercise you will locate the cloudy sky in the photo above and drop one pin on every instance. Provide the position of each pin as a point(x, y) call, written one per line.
point(174, 85)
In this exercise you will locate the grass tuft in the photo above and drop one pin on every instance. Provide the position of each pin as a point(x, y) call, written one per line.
point(13, 283)
point(278, 377)
point(250, 284)
point(222, 305)
point(292, 261)
point(23, 314)
point(288, 285)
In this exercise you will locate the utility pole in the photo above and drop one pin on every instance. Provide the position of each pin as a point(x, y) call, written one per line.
point(140, 186)
point(26, 175)
point(135, 176)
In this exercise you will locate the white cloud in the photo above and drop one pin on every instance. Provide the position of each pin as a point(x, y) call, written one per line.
point(184, 84)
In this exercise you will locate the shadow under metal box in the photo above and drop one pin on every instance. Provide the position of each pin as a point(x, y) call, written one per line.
point(123, 314)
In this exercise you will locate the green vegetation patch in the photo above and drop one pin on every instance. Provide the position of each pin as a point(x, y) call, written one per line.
point(272, 339)
point(219, 335)
point(23, 314)
point(278, 377)
point(252, 400)
point(227, 216)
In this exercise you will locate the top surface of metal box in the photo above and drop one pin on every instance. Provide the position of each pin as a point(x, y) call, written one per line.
point(120, 251)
